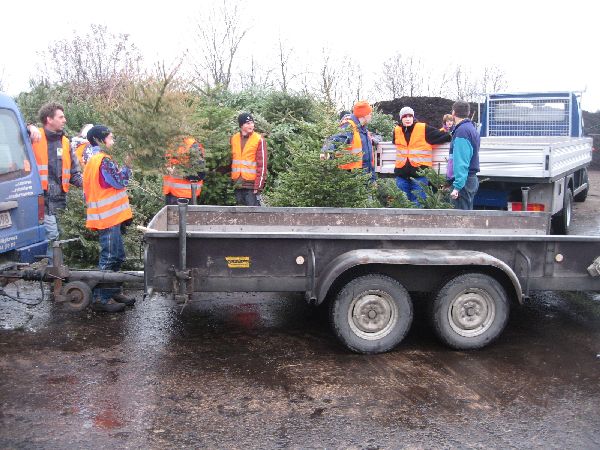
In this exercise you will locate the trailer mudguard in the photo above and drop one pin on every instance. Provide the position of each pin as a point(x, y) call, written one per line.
point(410, 257)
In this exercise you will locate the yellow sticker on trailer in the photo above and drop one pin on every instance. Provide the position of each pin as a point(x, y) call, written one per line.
point(238, 262)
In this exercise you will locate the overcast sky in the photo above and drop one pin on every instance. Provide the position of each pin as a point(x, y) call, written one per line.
point(540, 45)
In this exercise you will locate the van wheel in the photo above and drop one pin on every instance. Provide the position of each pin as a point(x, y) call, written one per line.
point(78, 295)
point(470, 311)
point(371, 314)
point(562, 221)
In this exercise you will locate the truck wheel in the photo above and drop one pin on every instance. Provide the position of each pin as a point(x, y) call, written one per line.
point(580, 197)
point(371, 314)
point(562, 221)
point(77, 295)
point(470, 311)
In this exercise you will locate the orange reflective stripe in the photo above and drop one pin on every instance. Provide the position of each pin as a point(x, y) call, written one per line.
point(418, 152)
point(40, 150)
point(106, 207)
point(180, 187)
point(354, 149)
point(243, 160)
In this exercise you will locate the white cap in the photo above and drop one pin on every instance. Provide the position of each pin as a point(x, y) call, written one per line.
point(407, 110)
point(84, 131)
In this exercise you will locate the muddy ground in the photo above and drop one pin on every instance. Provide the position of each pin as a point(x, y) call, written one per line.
point(265, 371)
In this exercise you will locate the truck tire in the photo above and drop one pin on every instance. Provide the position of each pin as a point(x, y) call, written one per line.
point(371, 314)
point(562, 221)
point(581, 196)
point(78, 295)
point(470, 311)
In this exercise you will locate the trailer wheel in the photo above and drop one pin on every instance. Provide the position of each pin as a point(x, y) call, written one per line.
point(562, 221)
point(78, 295)
point(371, 314)
point(470, 311)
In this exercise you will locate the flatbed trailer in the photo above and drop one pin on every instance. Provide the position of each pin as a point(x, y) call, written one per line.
point(368, 262)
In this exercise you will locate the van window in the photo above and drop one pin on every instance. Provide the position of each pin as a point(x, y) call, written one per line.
point(14, 162)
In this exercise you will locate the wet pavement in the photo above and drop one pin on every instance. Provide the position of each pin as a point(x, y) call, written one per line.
point(265, 371)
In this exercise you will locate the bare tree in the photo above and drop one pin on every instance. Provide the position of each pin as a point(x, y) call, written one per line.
point(328, 79)
point(492, 79)
point(256, 77)
point(284, 69)
point(391, 80)
point(98, 62)
point(219, 36)
point(413, 76)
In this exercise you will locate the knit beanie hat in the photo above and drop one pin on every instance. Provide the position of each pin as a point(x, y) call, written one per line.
point(362, 109)
point(245, 118)
point(98, 134)
point(407, 111)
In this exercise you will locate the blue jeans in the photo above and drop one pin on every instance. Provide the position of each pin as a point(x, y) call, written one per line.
point(410, 185)
point(467, 194)
point(51, 227)
point(112, 256)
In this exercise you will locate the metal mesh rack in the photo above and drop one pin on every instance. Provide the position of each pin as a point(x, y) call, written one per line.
point(529, 116)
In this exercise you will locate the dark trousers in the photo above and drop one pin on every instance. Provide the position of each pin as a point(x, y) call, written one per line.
point(246, 197)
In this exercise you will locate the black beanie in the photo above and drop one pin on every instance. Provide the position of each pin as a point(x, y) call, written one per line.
point(245, 118)
point(98, 134)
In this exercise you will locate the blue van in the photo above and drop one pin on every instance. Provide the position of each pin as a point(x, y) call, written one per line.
point(22, 233)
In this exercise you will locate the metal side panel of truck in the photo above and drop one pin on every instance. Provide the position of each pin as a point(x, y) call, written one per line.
point(22, 234)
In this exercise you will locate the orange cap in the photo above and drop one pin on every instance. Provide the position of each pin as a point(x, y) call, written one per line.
point(362, 109)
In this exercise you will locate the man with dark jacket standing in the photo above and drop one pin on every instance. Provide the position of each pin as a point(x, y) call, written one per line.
point(414, 151)
point(463, 163)
point(57, 164)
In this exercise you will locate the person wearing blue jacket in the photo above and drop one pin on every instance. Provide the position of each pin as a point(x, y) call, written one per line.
point(362, 113)
point(463, 163)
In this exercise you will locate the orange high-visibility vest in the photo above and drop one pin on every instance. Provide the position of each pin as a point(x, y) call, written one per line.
point(418, 152)
point(40, 150)
point(354, 149)
point(105, 207)
point(243, 160)
point(181, 187)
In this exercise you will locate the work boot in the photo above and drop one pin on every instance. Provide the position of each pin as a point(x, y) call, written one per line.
point(120, 298)
point(110, 306)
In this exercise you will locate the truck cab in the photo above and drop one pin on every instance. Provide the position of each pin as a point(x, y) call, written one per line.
point(22, 233)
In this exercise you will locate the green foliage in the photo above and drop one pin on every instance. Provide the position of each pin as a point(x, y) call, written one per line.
point(390, 196)
point(152, 116)
point(78, 111)
point(436, 193)
point(312, 181)
point(382, 124)
point(216, 124)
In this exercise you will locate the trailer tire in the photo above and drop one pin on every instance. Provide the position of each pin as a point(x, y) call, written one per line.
point(562, 221)
point(78, 295)
point(470, 311)
point(371, 314)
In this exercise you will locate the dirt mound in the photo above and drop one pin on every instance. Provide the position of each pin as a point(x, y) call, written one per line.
point(427, 109)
